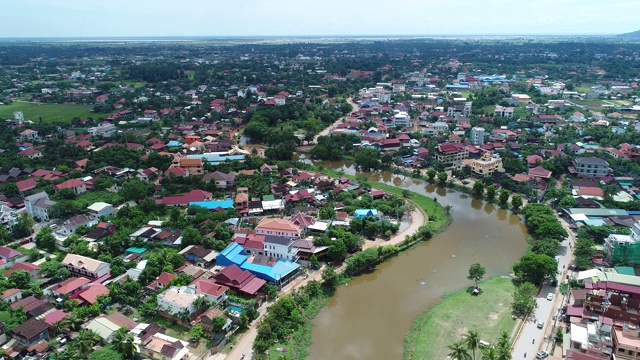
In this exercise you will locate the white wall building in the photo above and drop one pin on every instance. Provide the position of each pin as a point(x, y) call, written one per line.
point(401, 118)
point(477, 136)
point(177, 300)
point(100, 209)
point(102, 130)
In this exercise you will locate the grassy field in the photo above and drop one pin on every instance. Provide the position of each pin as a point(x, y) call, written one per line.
point(48, 112)
point(444, 323)
point(91, 197)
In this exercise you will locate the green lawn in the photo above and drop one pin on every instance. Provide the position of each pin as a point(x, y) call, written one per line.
point(91, 197)
point(49, 112)
point(448, 321)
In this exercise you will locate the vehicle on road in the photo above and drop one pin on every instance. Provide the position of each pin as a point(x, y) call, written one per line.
point(540, 324)
point(542, 355)
point(550, 296)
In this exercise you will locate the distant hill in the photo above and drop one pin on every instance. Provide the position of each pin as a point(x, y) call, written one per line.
point(631, 35)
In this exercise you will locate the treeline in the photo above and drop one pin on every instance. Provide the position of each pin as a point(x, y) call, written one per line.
point(153, 72)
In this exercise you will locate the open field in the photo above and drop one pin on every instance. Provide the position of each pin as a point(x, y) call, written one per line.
point(49, 112)
point(447, 322)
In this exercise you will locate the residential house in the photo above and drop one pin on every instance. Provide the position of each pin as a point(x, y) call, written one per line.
point(29, 135)
point(9, 256)
point(32, 307)
point(164, 347)
point(69, 287)
point(78, 186)
point(69, 226)
point(280, 227)
point(186, 199)
point(38, 205)
point(199, 255)
point(26, 185)
point(86, 267)
point(161, 281)
point(221, 179)
point(30, 268)
point(194, 167)
point(578, 117)
point(30, 153)
point(485, 165)
point(452, 155)
point(590, 167)
point(103, 129)
point(30, 332)
point(11, 295)
point(240, 282)
point(280, 247)
point(503, 111)
point(477, 136)
point(178, 300)
point(100, 209)
point(212, 291)
point(206, 320)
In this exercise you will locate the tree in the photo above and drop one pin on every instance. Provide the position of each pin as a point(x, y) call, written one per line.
point(516, 202)
point(218, 323)
point(314, 262)
point(330, 279)
point(134, 189)
point(54, 270)
point(107, 353)
point(23, 226)
point(85, 341)
point(442, 178)
point(368, 159)
point(459, 351)
point(191, 236)
point(545, 246)
point(476, 272)
point(431, 174)
point(45, 240)
point(20, 279)
point(504, 346)
point(535, 268)
point(73, 321)
point(196, 333)
point(504, 197)
point(478, 188)
point(332, 91)
point(123, 342)
point(472, 340)
point(489, 353)
point(595, 233)
point(584, 252)
point(524, 299)
point(491, 192)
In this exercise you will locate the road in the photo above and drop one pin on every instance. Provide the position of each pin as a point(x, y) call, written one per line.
point(329, 129)
point(417, 220)
point(546, 309)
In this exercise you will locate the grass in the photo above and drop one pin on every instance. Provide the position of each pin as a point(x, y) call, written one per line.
point(91, 197)
point(49, 112)
point(173, 329)
point(447, 322)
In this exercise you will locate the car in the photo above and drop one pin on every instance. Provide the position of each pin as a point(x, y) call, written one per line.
point(540, 324)
point(542, 355)
point(550, 296)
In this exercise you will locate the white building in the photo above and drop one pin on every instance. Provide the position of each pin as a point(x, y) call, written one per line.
point(38, 205)
point(178, 300)
point(86, 267)
point(102, 130)
point(100, 209)
point(437, 127)
point(614, 240)
point(477, 136)
point(280, 100)
point(280, 247)
point(401, 118)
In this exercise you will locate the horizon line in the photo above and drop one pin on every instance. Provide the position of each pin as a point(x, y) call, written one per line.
point(307, 35)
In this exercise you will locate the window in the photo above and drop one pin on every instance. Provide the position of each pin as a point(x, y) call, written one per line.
point(621, 350)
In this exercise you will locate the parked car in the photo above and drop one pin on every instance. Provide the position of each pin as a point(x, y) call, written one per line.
point(540, 324)
point(542, 355)
point(550, 296)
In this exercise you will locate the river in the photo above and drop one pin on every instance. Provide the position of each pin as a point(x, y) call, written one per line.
point(369, 318)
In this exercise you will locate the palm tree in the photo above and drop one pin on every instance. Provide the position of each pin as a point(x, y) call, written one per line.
point(73, 322)
point(123, 343)
point(85, 341)
point(472, 340)
point(459, 351)
point(489, 353)
point(504, 347)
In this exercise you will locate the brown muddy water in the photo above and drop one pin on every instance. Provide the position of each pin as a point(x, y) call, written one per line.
point(369, 317)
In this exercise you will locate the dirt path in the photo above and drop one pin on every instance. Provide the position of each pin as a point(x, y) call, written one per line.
point(418, 218)
point(329, 129)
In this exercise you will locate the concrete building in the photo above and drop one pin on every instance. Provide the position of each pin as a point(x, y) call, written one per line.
point(477, 136)
point(591, 167)
point(100, 209)
point(86, 267)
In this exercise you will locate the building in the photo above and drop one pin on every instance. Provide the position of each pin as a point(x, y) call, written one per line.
point(401, 119)
point(11, 295)
point(212, 291)
point(163, 347)
point(38, 205)
point(280, 227)
point(104, 129)
point(69, 287)
point(78, 186)
point(86, 267)
point(477, 136)
point(221, 179)
point(280, 247)
point(241, 282)
point(486, 165)
point(591, 167)
point(452, 156)
point(100, 209)
point(30, 332)
point(9, 256)
point(179, 300)
point(503, 111)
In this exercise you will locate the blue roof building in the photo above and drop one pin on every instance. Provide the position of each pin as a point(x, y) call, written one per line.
point(363, 213)
point(279, 271)
point(174, 143)
point(214, 204)
point(216, 159)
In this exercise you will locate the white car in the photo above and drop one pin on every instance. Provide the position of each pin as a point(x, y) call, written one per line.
point(542, 355)
point(550, 296)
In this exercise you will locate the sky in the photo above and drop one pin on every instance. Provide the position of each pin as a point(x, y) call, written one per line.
point(216, 18)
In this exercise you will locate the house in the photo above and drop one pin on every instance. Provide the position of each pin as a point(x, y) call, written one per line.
point(69, 287)
point(31, 306)
point(280, 227)
point(452, 155)
point(179, 300)
point(206, 320)
point(306, 249)
point(363, 213)
point(107, 325)
point(194, 167)
point(100, 209)
point(70, 225)
point(38, 205)
point(186, 199)
point(30, 153)
point(26, 185)
point(86, 267)
point(29, 135)
point(90, 294)
point(9, 256)
point(241, 282)
point(161, 346)
point(578, 117)
point(280, 247)
point(590, 167)
point(11, 295)
point(30, 332)
point(161, 281)
point(532, 160)
point(539, 172)
point(212, 291)
point(485, 165)
point(32, 269)
point(199, 255)
point(103, 129)
point(78, 186)
point(221, 179)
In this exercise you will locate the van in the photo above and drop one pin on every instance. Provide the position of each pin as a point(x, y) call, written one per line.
point(484, 344)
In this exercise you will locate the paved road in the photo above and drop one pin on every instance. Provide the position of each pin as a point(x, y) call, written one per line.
point(546, 309)
point(329, 129)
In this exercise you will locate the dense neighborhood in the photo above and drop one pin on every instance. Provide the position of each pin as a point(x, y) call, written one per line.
point(180, 197)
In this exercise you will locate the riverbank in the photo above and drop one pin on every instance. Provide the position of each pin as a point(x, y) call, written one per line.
point(459, 311)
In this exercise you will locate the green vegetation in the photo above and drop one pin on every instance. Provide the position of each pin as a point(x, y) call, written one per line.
point(48, 112)
point(431, 333)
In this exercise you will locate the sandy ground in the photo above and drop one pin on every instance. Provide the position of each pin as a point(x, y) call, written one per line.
point(417, 220)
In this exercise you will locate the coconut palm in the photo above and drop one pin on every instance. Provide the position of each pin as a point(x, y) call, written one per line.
point(472, 341)
point(85, 341)
point(459, 351)
point(73, 321)
point(489, 353)
point(504, 347)
point(123, 343)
